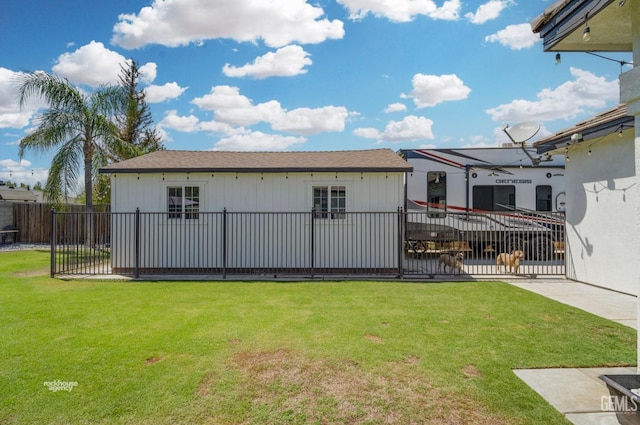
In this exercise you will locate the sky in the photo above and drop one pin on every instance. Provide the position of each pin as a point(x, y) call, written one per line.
point(298, 75)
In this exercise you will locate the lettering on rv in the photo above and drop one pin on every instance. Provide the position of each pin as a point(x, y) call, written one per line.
point(514, 181)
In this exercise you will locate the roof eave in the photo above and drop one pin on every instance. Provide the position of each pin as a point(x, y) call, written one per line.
point(565, 17)
point(257, 170)
point(588, 134)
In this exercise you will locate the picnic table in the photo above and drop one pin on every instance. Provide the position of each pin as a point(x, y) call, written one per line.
point(419, 248)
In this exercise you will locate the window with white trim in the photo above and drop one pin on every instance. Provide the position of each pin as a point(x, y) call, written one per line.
point(330, 202)
point(183, 202)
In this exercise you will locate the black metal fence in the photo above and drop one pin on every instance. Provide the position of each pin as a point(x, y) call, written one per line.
point(384, 244)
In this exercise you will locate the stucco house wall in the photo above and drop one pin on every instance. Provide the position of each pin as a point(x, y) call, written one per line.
point(601, 234)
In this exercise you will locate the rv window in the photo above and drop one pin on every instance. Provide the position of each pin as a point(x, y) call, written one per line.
point(330, 202)
point(543, 198)
point(436, 193)
point(494, 198)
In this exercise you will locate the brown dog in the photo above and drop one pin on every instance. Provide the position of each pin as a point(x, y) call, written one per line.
point(452, 261)
point(511, 260)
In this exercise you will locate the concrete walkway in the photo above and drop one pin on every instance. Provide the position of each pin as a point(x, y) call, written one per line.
point(578, 393)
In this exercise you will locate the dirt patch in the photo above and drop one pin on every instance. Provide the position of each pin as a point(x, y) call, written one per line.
point(279, 385)
point(152, 360)
point(33, 273)
point(412, 360)
point(470, 371)
point(374, 338)
point(235, 341)
point(204, 389)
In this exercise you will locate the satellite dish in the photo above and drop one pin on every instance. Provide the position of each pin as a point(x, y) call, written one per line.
point(522, 132)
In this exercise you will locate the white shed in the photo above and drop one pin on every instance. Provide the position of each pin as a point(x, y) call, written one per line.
point(239, 211)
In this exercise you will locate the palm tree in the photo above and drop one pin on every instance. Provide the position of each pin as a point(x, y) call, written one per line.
point(80, 126)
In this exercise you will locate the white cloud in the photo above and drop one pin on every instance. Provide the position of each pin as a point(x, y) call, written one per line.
point(427, 146)
point(488, 11)
point(258, 141)
point(516, 37)
point(11, 164)
point(402, 10)
point(231, 107)
point(309, 121)
point(220, 128)
point(148, 72)
point(157, 94)
point(430, 90)
point(94, 65)
point(367, 133)
point(173, 121)
point(91, 64)
point(484, 142)
point(223, 97)
point(585, 94)
point(11, 115)
point(22, 172)
point(180, 22)
point(410, 128)
point(285, 62)
point(395, 107)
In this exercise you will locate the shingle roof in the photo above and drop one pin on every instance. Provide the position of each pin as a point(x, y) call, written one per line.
point(380, 160)
point(607, 122)
point(548, 14)
point(10, 194)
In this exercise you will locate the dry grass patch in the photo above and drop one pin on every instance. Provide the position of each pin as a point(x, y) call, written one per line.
point(33, 273)
point(285, 386)
point(153, 360)
point(470, 371)
point(374, 338)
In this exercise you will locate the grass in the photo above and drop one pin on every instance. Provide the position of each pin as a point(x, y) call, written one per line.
point(284, 353)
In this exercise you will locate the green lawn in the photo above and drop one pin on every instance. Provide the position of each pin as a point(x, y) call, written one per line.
point(279, 353)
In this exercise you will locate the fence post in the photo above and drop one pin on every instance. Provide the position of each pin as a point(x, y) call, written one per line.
point(52, 236)
point(224, 243)
point(312, 247)
point(400, 243)
point(137, 259)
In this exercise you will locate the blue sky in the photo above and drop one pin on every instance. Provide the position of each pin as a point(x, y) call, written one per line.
point(303, 75)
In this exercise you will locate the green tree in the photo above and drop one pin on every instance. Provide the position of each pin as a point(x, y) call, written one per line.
point(134, 121)
point(80, 126)
point(135, 128)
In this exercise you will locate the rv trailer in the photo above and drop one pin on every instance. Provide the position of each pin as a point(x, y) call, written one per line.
point(492, 199)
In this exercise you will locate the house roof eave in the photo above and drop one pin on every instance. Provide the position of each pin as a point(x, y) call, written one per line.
point(561, 26)
point(601, 125)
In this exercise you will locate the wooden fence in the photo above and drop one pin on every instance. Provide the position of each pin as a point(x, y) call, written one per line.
point(34, 220)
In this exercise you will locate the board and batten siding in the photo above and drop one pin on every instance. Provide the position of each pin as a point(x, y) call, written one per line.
point(255, 192)
point(261, 241)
